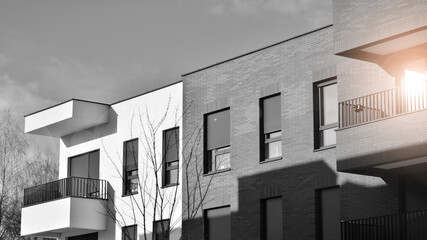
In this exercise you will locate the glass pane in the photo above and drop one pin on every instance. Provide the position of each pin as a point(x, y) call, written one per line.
point(94, 165)
point(274, 135)
point(171, 176)
point(328, 137)
point(132, 186)
point(272, 114)
point(218, 129)
point(273, 149)
point(162, 230)
point(329, 104)
point(129, 233)
point(132, 154)
point(172, 164)
point(132, 173)
point(273, 219)
point(171, 144)
point(223, 161)
point(218, 221)
point(330, 213)
point(79, 166)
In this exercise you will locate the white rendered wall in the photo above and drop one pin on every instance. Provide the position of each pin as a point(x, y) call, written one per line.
point(126, 121)
point(64, 215)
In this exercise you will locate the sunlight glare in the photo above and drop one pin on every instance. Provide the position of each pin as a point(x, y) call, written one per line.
point(414, 81)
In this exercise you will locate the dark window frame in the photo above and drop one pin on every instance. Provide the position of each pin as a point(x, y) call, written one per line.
point(264, 136)
point(263, 215)
point(125, 170)
point(130, 226)
point(165, 168)
point(207, 156)
point(317, 113)
point(167, 237)
point(81, 154)
point(206, 220)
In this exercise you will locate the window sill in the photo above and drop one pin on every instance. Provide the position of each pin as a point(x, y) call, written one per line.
point(216, 172)
point(130, 194)
point(324, 148)
point(271, 160)
point(170, 185)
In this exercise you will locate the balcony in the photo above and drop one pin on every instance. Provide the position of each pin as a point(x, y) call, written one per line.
point(381, 105)
point(65, 205)
point(408, 226)
point(383, 132)
point(66, 118)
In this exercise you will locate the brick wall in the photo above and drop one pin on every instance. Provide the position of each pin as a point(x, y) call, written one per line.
point(363, 21)
point(289, 68)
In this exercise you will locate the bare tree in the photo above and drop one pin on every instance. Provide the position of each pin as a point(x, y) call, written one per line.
point(17, 171)
point(12, 151)
point(155, 203)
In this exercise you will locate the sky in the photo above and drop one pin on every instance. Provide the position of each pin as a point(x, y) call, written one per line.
point(108, 50)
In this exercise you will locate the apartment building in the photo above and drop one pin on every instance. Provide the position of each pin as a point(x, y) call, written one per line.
point(119, 175)
point(321, 136)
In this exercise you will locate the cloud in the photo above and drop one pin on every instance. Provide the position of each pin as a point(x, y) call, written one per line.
point(3, 60)
point(21, 97)
point(265, 7)
point(63, 79)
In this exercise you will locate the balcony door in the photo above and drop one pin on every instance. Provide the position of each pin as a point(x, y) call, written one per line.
point(84, 165)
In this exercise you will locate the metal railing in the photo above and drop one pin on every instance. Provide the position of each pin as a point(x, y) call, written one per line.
point(381, 105)
point(67, 187)
point(401, 226)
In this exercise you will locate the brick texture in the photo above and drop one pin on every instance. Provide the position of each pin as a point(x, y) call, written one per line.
point(291, 68)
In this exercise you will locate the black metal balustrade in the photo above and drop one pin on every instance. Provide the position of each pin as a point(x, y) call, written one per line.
point(381, 105)
point(401, 226)
point(67, 187)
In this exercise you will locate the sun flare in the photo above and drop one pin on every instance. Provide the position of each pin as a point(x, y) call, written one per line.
point(414, 81)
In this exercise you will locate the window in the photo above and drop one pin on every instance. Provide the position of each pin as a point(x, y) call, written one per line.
point(328, 214)
point(271, 134)
point(85, 165)
point(161, 229)
point(91, 236)
point(170, 156)
point(271, 211)
point(217, 141)
point(129, 232)
point(326, 113)
point(130, 164)
point(217, 224)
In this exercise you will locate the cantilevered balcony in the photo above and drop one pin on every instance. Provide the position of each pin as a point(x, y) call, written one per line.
point(66, 118)
point(383, 132)
point(408, 226)
point(64, 205)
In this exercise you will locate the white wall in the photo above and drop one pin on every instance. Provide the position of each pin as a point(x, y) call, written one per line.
point(127, 120)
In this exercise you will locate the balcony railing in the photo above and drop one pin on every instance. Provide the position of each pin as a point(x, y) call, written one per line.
point(401, 226)
point(67, 187)
point(380, 105)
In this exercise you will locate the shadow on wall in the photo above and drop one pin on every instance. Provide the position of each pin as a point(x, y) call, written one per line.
point(297, 186)
point(93, 132)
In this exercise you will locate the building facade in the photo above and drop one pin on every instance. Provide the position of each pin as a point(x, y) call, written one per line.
point(118, 169)
point(320, 136)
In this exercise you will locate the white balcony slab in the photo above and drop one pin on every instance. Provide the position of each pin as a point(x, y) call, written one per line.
point(66, 118)
point(59, 216)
